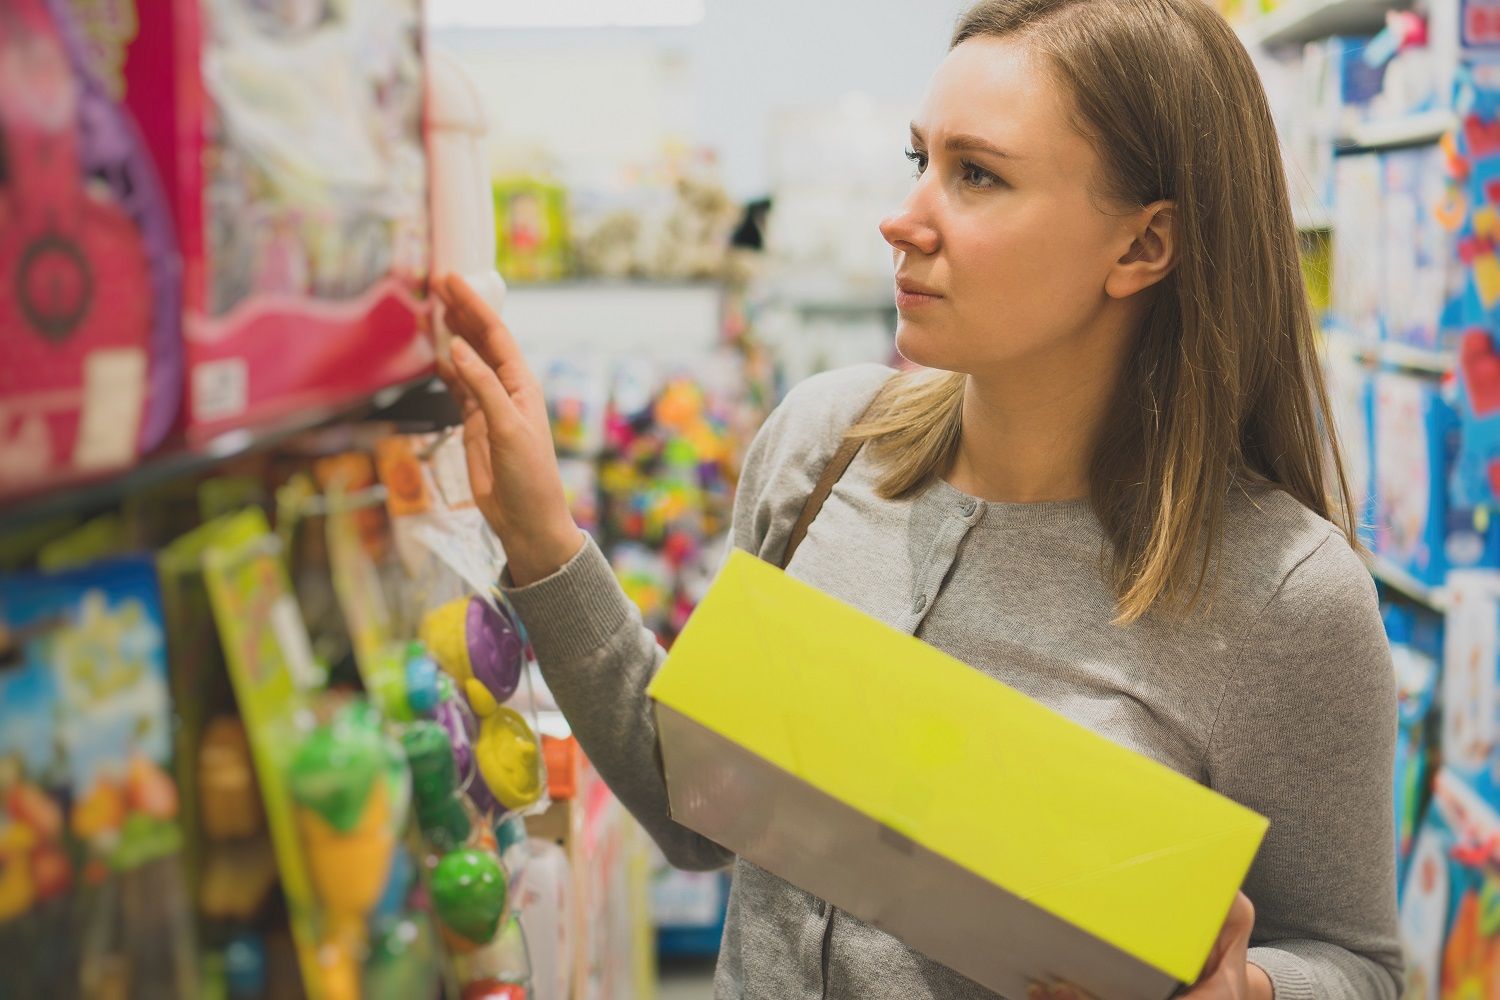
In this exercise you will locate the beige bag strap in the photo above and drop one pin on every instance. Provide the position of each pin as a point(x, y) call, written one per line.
point(832, 473)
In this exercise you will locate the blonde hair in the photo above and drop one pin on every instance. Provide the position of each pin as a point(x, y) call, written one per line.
point(1223, 385)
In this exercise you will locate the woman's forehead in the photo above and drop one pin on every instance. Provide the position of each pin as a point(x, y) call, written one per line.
point(999, 90)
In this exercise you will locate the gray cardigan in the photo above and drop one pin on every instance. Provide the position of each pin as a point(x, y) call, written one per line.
point(1280, 695)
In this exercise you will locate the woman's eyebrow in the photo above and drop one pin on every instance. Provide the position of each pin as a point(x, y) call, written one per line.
point(965, 142)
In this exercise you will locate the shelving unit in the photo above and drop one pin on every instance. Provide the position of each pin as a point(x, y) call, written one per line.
point(1401, 356)
point(1302, 21)
point(615, 317)
point(1399, 580)
point(1411, 130)
point(182, 461)
point(1313, 220)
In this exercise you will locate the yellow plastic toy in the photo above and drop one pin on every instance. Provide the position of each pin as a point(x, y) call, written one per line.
point(479, 646)
point(509, 758)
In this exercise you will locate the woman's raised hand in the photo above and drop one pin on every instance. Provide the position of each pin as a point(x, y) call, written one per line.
point(507, 439)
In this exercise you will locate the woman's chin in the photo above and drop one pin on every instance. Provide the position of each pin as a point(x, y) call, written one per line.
point(919, 347)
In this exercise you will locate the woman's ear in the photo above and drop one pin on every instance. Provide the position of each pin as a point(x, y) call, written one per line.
point(1152, 253)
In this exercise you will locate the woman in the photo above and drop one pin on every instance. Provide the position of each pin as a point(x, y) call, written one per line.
point(1109, 490)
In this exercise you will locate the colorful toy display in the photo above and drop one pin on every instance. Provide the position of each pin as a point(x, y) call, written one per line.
point(1471, 674)
point(88, 802)
point(531, 228)
point(1447, 912)
point(289, 137)
point(1412, 429)
point(1418, 258)
point(351, 791)
point(1394, 263)
point(1416, 646)
point(90, 352)
point(469, 892)
point(480, 645)
point(1472, 215)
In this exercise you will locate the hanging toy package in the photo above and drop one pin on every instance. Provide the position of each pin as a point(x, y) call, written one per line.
point(334, 782)
point(476, 761)
point(93, 900)
point(90, 348)
point(289, 138)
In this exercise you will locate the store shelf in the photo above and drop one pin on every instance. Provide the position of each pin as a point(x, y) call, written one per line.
point(1412, 130)
point(850, 306)
point(616, 317)
point(1402, 356)
point(1301, 21)
point(85, 495)
point(1313, 221)
point(1398, 579)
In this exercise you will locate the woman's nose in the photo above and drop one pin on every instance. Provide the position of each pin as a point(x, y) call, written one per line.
point(909, 232)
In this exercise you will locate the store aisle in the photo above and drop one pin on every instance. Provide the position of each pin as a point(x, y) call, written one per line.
point(687, 980)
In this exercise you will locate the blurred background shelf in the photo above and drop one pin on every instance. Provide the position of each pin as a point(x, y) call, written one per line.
point(422, 402)
point(1307, 20)
point(1399, 580)
point(1401, 356)
point(1411, 130)
point(616, 317)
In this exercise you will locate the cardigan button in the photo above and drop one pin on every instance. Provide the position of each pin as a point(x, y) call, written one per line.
point(920, 605)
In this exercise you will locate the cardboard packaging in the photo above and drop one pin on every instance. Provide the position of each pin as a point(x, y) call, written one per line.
point(289, 140)
point(928, 800)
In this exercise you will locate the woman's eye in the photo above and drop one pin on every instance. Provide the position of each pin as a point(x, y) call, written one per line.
point(978, 177)
point(919, 160)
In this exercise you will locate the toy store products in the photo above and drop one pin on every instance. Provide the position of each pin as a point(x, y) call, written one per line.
point(479, 644)
point(547, 911)
point(909, 825)
point(1416, 688)
point(469, 893)
point(1448, 925)
point(1413, 433)
point(1471, 674)
point(290, 140)
point(1355, 81)
point(463, 234)
point(270, 662)
point(531, 228)
point(1358, 226)
point(89, 809)
point(90, 353)
point(1416, 248)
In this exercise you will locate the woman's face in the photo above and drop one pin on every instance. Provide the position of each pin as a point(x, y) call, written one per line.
point(1004, 246)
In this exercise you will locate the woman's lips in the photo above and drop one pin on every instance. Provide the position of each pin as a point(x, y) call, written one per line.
point(914, 297)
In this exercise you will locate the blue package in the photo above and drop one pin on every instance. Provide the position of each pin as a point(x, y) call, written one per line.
point(1412, 454)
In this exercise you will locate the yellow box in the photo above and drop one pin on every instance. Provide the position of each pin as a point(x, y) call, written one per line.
point(922, 797)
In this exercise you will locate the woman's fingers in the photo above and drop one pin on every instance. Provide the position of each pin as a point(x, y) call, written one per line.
point(472, 318)
point(483, 386)
point(461, 395)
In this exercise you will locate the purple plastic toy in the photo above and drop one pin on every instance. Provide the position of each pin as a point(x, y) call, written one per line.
point(497, 651)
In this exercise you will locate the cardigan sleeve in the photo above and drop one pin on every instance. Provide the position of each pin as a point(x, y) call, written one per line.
point(1306, 736)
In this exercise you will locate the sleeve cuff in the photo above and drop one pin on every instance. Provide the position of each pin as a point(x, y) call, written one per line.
point(573, 612)
point(1287, 971)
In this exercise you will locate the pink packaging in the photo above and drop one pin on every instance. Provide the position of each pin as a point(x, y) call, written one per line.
point(90, 348)
point(290, 139)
